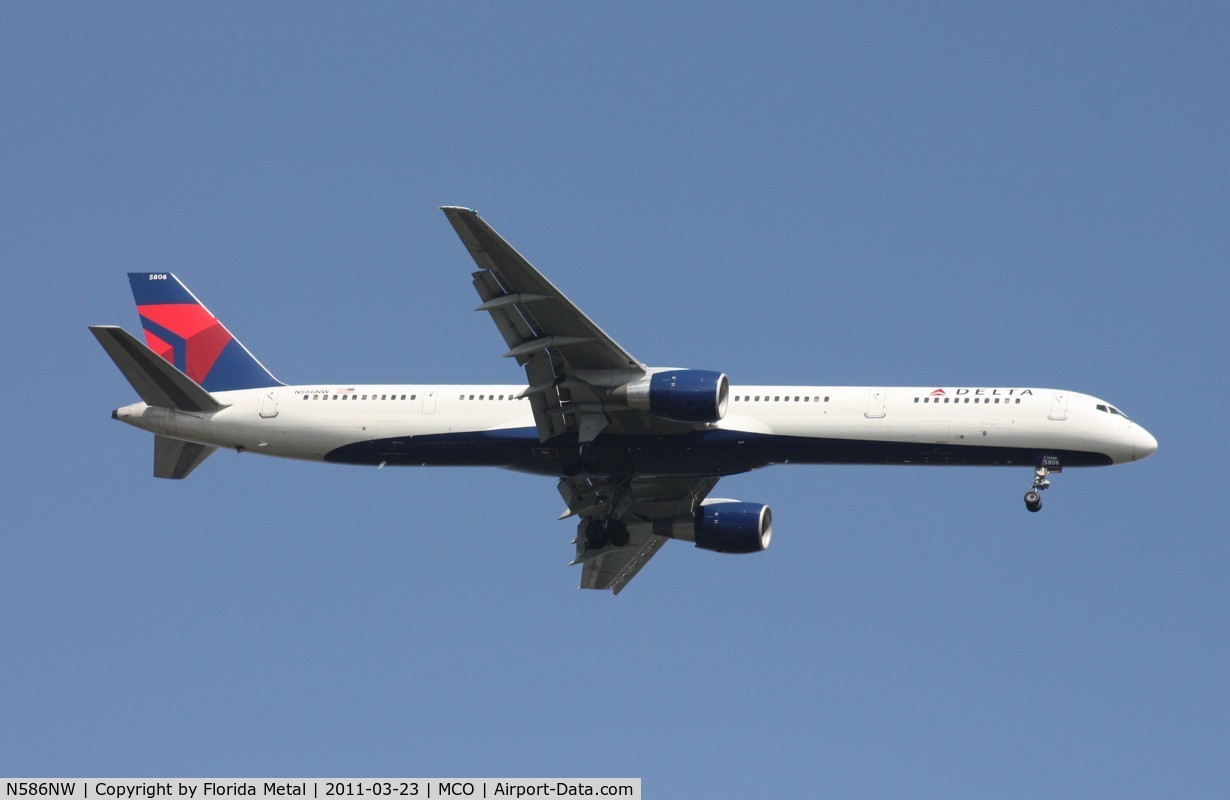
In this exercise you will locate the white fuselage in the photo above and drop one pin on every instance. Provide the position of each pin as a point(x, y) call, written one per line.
point(489, 424)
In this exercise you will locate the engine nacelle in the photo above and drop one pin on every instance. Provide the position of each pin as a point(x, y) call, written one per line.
point(725, 526)
point(682, 395)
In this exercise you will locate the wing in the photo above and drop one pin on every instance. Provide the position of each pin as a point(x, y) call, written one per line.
point(572, 365)
point(569, 361)
point(646, 507)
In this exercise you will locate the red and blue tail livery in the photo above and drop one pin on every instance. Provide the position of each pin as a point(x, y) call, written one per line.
point(179, 328)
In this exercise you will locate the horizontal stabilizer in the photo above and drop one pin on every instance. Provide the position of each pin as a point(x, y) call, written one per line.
point(154, 379)
point(176, 459)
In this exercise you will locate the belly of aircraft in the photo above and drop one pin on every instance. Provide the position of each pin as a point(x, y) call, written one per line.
point(715, 452)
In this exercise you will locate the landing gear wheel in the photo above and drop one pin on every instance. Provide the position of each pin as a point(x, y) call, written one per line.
point(1033, 500)
point(617, 532)
point(596, 535)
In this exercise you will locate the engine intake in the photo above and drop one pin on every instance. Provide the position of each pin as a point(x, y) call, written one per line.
point(682, 395)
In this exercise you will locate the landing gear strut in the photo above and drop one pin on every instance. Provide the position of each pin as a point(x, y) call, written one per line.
point(1033, 498)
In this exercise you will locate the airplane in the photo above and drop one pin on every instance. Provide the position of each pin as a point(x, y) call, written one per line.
point(636, 450)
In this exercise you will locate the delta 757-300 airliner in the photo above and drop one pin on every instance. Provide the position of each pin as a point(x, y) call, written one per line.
point(636, 449)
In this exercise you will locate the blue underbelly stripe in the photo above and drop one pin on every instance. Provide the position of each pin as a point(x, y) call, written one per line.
point(717, 452)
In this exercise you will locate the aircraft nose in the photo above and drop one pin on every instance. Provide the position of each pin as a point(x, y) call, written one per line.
point(1143, 443)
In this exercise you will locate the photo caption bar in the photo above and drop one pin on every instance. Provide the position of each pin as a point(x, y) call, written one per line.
point(267, 788)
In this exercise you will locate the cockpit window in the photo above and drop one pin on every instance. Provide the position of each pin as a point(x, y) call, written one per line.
point(1111, 410)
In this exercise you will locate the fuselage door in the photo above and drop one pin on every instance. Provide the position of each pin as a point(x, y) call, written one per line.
point(875, 404)
point(1059, 406)
point(269, 403)
point(429, 403)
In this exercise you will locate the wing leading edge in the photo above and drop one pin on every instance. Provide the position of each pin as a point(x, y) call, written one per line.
point(570, 362)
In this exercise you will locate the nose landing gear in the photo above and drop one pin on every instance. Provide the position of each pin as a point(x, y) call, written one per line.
point(1033, 498)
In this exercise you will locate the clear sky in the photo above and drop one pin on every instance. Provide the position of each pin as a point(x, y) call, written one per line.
point(1034, 195)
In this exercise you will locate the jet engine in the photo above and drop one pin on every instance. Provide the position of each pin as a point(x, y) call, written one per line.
point(724, 526)
point(682, 395)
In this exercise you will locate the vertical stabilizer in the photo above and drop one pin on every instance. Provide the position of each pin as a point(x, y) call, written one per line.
point(179, 328)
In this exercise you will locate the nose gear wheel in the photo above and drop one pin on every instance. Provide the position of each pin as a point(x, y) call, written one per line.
point(1033, 498)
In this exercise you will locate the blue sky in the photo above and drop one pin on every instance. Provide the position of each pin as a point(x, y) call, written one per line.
point(793, 193)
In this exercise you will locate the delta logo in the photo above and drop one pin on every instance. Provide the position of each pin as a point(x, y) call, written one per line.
point(984, 392)
point(186, 335)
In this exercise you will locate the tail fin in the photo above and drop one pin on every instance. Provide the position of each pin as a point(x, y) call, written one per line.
point(179, 328)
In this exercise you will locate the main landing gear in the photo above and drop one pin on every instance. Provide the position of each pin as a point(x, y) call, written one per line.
point(601, 532)
point(1033, 498)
